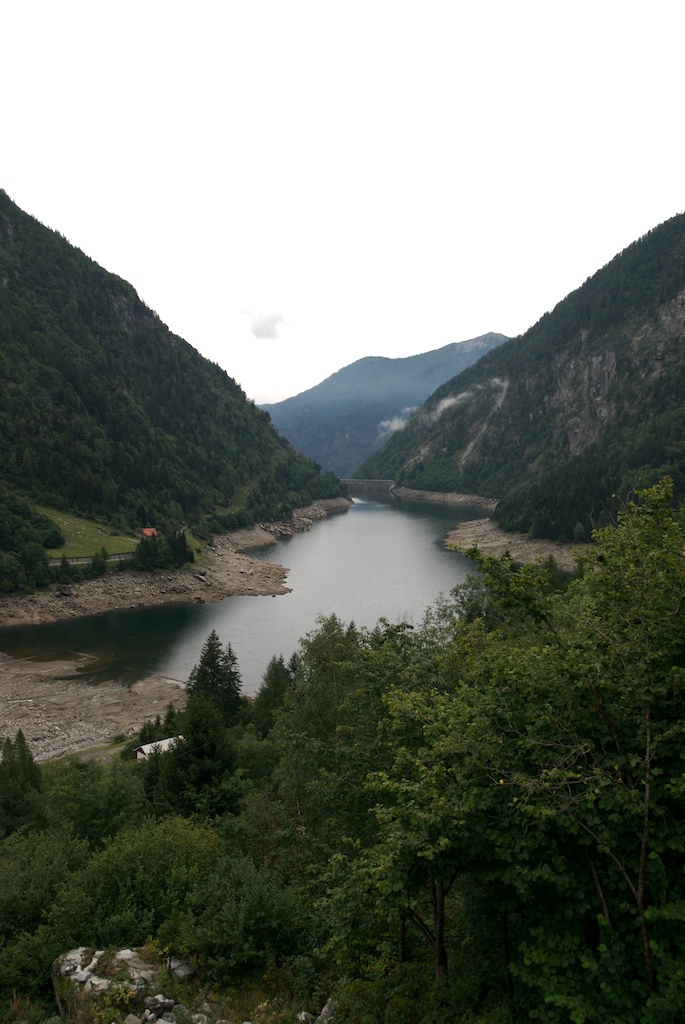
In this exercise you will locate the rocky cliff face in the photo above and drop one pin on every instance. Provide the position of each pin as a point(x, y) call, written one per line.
point(582, 399)
point(588, 403)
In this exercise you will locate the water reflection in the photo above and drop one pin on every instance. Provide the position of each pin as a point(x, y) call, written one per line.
point(382, 558)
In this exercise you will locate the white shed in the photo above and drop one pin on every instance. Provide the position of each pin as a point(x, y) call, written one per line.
point(158, 747)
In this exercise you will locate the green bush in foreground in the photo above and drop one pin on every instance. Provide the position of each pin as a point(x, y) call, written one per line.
point(478, 819)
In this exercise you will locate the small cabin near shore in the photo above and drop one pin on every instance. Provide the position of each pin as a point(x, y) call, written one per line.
point(147, 750)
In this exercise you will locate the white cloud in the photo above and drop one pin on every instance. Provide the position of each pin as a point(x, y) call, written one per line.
point(496, 383)
point(447, 403)
point(395, 423)
point(266, 325)
point(433, 415)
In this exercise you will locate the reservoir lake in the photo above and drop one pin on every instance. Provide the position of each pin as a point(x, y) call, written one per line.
point(382, 558)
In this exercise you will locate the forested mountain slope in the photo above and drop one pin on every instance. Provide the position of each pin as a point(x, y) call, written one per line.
point(105, 411)
point(588, 403)
point(346, 417)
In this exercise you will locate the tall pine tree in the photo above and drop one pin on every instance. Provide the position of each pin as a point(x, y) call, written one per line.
point(217, 677)
point(20, 784)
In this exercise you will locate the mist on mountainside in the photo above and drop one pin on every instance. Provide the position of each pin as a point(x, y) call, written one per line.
point(346, 417)
point(586, 405)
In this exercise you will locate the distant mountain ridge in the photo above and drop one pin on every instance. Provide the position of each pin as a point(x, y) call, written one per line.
point(342, 420)
point(587, 404)
point(106, 412)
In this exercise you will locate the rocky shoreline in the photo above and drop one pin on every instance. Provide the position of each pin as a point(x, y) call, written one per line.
point(491, 540)
point(61, 714)
point(445, 497)
point(227, 572)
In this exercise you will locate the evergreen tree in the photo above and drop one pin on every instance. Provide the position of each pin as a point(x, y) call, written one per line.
point(196, 775)
point(20, 783)
point(276, 681)
point(217, 677)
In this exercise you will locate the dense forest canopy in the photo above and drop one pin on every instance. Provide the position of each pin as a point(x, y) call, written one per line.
point(475, 820)
point(585, 405)
point(104, 411)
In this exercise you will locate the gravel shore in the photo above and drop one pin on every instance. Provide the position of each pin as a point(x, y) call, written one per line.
point(60, 714)
point(228, 571)
point(490, 540)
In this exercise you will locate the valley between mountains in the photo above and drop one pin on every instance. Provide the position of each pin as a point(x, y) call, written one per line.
point(61, 715)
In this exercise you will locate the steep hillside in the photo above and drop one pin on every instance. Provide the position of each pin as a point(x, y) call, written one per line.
point(345, 418)
point(103, 410)
point(586, 404)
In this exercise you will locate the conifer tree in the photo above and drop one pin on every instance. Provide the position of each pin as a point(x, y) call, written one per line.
point(275, 683)
point(20, 783)
point(217, 677)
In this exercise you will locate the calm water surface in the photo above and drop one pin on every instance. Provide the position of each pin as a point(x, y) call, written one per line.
point(382, 558)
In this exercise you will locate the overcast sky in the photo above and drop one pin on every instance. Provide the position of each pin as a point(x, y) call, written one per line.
point(295, 184)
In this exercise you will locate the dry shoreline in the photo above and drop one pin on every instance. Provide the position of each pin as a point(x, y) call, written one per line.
point(60, 714)
point(230, 571)
point(489, 538)
point(446, 497)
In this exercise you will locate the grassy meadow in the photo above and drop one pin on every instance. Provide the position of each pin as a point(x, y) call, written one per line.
point(84, 537)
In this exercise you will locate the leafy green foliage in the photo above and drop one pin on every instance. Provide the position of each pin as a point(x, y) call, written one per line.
point(326, 731)
point(276, 682)
point(244, 917)
point(123, 894)
point(24, 535)
point(90, 801)
point(555, 746)
point(34, 866)
point(478, 819)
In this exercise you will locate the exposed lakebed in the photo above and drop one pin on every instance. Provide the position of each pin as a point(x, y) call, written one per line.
point(383, 557)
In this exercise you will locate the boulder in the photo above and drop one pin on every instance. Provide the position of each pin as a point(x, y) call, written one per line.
point(328, 1012)
point(124, 979)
